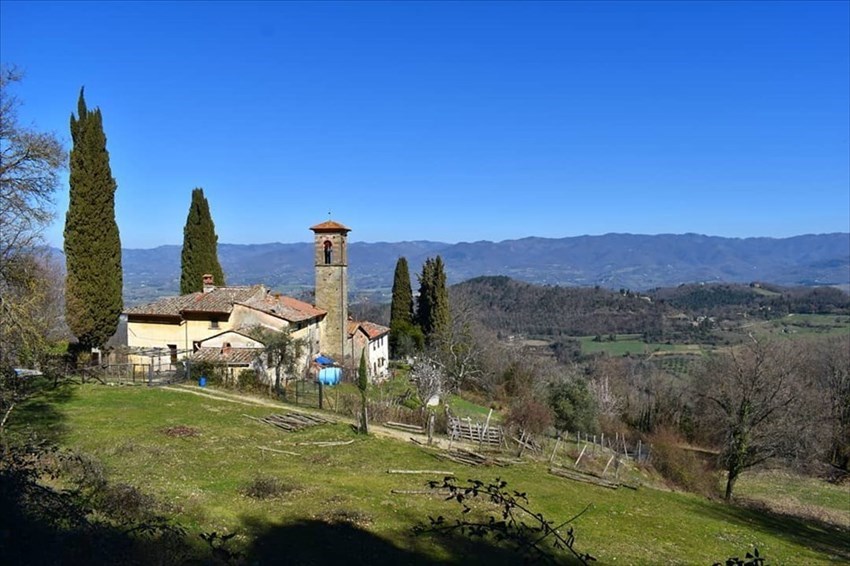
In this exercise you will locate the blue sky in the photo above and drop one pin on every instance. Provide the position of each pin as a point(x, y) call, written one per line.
point(452, 121)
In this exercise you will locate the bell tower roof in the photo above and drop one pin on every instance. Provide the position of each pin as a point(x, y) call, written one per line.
point(330, 226)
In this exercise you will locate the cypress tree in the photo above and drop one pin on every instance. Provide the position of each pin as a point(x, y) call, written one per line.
point(362, 385)
point(200, 246)
point(440, 312)
point(432, 313)
point(93, 284)
point(425, 300)
point(401, 308)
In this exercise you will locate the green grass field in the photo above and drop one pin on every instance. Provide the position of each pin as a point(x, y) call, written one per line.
point(344, 493)
point(632, 344)
point(793, 326)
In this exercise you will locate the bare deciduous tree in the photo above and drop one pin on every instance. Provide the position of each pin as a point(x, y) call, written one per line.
point(746, 394)
point(30, 162)
point(281, 351)
point(608, 402)
point(428, 379)
point(830, 363)
point(462, 349)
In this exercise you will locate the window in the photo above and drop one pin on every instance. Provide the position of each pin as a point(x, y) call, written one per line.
point(214, 323)
point(172, 350)
point(329, 252)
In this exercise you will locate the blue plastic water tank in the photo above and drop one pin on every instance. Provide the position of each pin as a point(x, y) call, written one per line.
point(202, 382)
point(330, 376)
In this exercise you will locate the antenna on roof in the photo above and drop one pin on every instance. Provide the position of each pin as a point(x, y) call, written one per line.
point(329, 215)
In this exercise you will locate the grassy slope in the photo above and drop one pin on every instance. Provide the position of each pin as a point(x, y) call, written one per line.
point(201, 478)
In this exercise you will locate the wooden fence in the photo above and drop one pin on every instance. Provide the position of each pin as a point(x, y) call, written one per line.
point(486, 434)
point(128, 373)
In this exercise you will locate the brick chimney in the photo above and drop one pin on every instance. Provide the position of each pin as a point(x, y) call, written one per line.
point(209, 284)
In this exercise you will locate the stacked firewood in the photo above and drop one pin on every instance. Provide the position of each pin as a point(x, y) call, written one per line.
point(292, 422)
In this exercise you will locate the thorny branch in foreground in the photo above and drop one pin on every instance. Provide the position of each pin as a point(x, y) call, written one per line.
point(519, 528)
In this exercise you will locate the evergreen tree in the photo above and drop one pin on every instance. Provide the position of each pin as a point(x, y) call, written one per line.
point(200, 247)
point(362, 384)
point(440, 311)
point(93, 285)
point(425, 299)
point(401, 311)
point(433, 315)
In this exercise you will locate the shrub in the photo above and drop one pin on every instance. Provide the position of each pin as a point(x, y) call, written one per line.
point(683, 468)
point(125, 503)
point(530, 415)
point(249, 380)
point(574, 406)
point(214, 372)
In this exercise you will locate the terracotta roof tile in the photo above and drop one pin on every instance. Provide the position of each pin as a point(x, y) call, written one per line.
point(330, 226)
point(165, 306)
point(287, 308)
point(219, 300)
point(231, 356)
point(372, 330)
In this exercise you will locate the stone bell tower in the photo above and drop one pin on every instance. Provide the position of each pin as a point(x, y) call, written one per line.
point(331, 258)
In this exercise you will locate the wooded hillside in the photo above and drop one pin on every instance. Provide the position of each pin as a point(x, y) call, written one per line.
point(515, 307)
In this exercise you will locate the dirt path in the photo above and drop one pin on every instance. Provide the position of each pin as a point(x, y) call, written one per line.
point(248, 400)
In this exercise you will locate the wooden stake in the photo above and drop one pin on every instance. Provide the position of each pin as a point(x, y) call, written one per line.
point(580, 455)
point(328, 443)
point(436, 472)
point(557, 443)
point(264, 448)
point(611, 459)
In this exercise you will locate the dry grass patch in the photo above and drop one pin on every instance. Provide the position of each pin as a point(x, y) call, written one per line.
point(181, 431)
point(268, 487)
point(347, 517)
point(791, 507)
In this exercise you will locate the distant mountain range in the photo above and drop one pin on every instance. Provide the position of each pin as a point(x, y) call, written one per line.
point(614, 261)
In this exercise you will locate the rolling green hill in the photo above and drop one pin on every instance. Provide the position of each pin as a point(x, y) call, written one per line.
point(200, 457)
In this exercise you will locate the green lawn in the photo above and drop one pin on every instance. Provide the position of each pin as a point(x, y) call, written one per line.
point(344, 492)
point(813, 324)
point(784, 490)
point(464, 408)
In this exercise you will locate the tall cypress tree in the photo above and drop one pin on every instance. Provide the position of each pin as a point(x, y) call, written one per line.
point(200, 246)
point(362, 385)
point(425, 300)
point(440, 312)
point(433, 315)
point(401, 310)
point(93, 285)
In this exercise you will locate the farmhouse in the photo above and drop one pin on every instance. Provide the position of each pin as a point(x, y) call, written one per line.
point(214, 325)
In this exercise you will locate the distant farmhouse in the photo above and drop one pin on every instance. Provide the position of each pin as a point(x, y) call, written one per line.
point(213, 325)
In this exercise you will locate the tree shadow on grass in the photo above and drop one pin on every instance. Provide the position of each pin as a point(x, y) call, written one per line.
point(39, 414)
point(319, 542)
point(813, 534)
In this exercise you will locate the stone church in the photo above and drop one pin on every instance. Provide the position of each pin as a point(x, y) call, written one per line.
point(213, 325)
